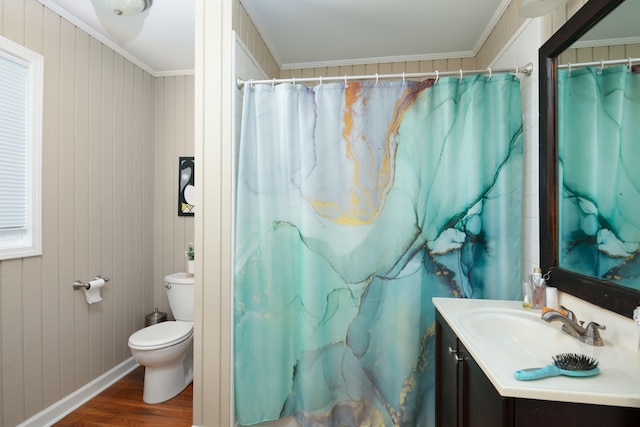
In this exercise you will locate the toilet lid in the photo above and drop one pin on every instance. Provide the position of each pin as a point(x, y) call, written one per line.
point(160, 335)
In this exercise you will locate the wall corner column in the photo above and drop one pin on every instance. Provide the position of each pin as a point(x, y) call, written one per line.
point(212, 400)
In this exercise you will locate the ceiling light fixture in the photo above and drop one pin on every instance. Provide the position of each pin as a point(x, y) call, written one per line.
point(128, 7)
point(535, 8)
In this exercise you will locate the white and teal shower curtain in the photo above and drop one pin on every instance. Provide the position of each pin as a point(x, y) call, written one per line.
point(599, 153)
point(356, 204)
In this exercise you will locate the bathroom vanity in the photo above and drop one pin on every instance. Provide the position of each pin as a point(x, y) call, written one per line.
point(481, 343)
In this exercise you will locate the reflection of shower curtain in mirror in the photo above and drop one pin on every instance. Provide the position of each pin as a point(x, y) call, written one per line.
point(599, 177)
point(355, 206)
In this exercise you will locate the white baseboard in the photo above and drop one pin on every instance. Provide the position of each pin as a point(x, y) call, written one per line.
point(69, 403)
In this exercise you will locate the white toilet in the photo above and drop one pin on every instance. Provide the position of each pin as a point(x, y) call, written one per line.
point(166, 349)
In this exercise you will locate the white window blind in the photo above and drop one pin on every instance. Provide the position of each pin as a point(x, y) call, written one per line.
point(21, 72)
point(13, 145)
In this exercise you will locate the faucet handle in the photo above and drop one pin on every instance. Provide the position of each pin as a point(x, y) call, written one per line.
point(591, 333)
point(570, 314)
point(593, 327)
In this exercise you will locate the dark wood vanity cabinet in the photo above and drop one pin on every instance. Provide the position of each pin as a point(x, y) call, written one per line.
point(466, 398)
point(464, 395)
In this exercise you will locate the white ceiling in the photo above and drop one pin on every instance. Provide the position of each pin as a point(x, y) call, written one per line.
point(309, 33)
point(298, 32)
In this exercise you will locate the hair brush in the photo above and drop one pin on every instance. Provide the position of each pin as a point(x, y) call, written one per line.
point(570, 364)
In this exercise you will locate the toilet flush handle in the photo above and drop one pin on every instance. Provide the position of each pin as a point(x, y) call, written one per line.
point(167, 285)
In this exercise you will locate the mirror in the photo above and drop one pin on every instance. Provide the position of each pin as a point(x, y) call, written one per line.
point(606, 294)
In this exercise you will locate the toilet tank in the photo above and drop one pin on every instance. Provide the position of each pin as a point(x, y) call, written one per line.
point(179, 289)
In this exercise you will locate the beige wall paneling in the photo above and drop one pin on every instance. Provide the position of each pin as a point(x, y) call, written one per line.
point(32, 273)
point(597, 53)
point(173, 138)
point(170, 159)
point(2, 411)
point(80, 166)
point(633, 50)
point(107, 224)
point(148, 166)
point(118, 207)
point(12, 342)
point(161, 182)
point(176, 135)
point(50, 210)
point(94, 177)
point(66, 205)
point(98, 204)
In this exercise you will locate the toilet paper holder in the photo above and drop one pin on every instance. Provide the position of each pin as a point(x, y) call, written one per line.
point(86, 285)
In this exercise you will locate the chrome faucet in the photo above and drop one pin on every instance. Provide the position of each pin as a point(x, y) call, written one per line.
point(588, 335)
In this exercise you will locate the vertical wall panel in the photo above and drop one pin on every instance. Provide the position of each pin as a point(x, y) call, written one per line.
point(50, 190)
point(12, 342)
point(176, 132)
point(118, 208)
point(149, 167)
point(136, 82)
point(107, 227)
point(129, 189)
point(95, 210)
point(159, 188)
point(32, 334)
point(2, 411)
point(66, 200)
point(81, 209)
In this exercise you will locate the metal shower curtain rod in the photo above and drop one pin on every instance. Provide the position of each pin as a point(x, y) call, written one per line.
point(526, 69)
point(602, 63)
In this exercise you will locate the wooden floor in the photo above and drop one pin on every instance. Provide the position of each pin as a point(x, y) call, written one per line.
point(122, 405)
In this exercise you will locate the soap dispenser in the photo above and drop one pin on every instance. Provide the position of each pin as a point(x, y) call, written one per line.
point(538, 288)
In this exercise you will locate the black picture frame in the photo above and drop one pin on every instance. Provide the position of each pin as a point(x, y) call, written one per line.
point(186, 186)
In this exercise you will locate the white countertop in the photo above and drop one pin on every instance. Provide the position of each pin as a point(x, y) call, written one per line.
point(617, 384)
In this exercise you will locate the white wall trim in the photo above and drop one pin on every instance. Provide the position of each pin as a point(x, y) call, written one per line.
point(72, 401)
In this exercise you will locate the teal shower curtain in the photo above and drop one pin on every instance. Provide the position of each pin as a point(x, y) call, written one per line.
point(599, 153)
point(356, 204)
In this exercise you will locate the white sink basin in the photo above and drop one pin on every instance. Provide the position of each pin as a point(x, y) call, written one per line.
point(521, 333)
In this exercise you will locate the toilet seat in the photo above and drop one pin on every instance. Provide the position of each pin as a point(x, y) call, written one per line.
point(161, 335)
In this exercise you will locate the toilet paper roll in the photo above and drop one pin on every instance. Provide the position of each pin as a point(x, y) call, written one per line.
point(552, 297)
point(93, 293)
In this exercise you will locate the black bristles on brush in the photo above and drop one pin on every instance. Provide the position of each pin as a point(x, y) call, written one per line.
point(574, 362)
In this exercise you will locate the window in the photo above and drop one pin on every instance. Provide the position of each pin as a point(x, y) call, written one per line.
point(21, 72)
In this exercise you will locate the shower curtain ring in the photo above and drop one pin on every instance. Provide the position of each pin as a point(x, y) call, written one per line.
point(601, 66)
point(489, 73)
point(273, 83)
point(630, 66)
point(294, 81)
point(403, 80)
point(437, 76)
point(345, 80)
point(320, 80)
point(460, 74)
point(376, 79)
point(569, 71)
